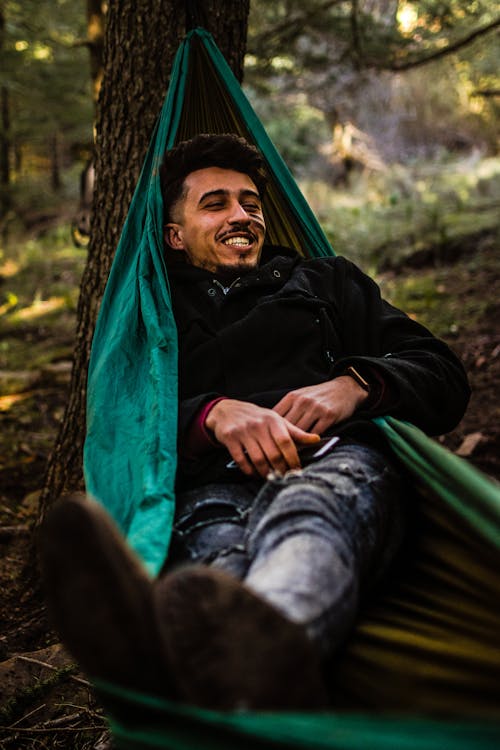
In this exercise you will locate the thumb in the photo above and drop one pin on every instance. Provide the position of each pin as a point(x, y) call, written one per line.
point(300, 436)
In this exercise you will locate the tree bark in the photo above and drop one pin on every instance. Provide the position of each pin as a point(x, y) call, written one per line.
point(140, 43)
point(55, 163)
point(4, 138)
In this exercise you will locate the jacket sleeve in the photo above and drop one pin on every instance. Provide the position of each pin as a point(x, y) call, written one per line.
point(189, 410)
point(427, 381)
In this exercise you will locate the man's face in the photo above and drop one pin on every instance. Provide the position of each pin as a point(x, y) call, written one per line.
point(219, 222)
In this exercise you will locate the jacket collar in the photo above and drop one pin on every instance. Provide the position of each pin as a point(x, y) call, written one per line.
point(276, 264)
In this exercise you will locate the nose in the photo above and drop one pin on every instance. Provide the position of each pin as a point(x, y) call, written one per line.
point(238, 215)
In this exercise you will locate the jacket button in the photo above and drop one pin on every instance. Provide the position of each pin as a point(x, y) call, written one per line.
point(212, 292)
point(276, 273)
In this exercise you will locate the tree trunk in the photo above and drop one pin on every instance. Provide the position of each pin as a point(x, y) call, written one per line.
point(55, 163)
point(141, 40)
point(4, 140)
point(4, 161)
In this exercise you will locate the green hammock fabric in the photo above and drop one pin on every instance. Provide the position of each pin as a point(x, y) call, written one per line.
point(430, 643)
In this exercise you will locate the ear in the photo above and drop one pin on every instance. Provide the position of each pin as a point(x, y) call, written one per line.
point(173, 236)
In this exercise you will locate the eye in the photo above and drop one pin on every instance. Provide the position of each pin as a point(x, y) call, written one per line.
point(251, 207)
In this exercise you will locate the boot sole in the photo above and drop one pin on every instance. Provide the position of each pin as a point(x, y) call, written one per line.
point(229, 649)
point(99, 597)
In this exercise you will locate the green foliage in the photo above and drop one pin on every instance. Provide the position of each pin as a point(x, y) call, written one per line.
point(40, 284)
point(448, 308)
point(353, 61)
point(382, 35)
point(15, 707)
point(295, 130)
point(46, 68)
point(45, 74)
point(386, 217)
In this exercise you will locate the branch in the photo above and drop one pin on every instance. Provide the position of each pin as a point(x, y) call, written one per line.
point(444, 51)
point(50, 730)
point(291, 23)
point(72, 677)
point(486, 92)
point(355, 33)
point(7, 532)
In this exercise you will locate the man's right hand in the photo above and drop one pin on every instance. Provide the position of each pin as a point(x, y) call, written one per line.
point(258, 439)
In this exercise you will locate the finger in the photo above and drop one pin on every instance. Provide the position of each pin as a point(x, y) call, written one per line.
point(327, 420)
point(297, 413)
point(298, 410)
point(305, 421)
point(279, 448)
point(258, 458)
point(240, 456)
point(284, 405)
point(316, 418)
point(301, 436)
point(322, 424)
point(287, 450)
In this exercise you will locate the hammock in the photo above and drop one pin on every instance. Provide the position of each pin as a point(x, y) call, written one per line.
point(426, 652)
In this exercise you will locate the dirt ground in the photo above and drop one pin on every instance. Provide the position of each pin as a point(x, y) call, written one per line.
point(45, 702)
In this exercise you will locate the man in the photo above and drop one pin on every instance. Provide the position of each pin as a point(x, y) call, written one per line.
point(286, 535)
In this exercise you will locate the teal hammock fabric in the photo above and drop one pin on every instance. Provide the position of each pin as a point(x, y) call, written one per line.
point(432, 641)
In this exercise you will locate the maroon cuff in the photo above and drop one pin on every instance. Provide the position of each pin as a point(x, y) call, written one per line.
point(199, 439)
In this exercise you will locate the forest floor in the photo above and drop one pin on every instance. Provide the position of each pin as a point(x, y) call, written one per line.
point(45, 702)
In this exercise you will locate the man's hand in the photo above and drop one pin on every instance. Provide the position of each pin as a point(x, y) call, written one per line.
point(258, 439)
point(318, 407)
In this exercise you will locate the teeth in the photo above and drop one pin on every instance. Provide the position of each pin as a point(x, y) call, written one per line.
point(240, 241)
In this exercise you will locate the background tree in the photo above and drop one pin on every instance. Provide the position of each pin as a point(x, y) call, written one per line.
point(46, 108)
point(391, 79)
point(141, 40)
point(4, 132)
point(96, 24)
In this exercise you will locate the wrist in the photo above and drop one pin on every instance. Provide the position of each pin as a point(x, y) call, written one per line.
point(210, 416)
point(373, 383)
point(358, 378)
point(358, 386)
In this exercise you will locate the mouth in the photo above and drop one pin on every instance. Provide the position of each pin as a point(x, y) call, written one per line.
point(239, 240)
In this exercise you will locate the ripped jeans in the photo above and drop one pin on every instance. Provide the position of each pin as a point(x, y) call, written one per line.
point(310, 543)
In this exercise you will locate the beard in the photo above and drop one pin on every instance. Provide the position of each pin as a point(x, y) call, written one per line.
point(227, 272)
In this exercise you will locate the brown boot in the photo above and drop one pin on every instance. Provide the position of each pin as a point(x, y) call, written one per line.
point(229, 649)
point(100, 598)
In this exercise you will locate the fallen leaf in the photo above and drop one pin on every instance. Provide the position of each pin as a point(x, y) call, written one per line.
point(7, 401)
point(469, 444)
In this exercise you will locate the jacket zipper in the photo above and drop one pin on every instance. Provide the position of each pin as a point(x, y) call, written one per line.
point(225, 289)
point(324, 323)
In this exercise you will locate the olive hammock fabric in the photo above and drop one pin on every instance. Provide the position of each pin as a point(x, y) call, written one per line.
point(426, 651)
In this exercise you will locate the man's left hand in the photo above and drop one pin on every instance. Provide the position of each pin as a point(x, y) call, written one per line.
point(315, 408)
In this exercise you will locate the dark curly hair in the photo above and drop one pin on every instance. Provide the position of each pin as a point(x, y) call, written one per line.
point(227, 151)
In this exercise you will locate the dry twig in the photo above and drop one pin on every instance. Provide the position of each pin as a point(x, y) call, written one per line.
point(73, 677)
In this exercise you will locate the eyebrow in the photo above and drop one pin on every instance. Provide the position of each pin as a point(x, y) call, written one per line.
point(222, 192)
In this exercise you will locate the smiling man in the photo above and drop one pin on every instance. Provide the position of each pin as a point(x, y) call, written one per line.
point(218, 223)
point(277, 353)
point(278, 534)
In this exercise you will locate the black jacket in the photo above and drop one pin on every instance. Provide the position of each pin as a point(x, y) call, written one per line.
point(294, 322)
